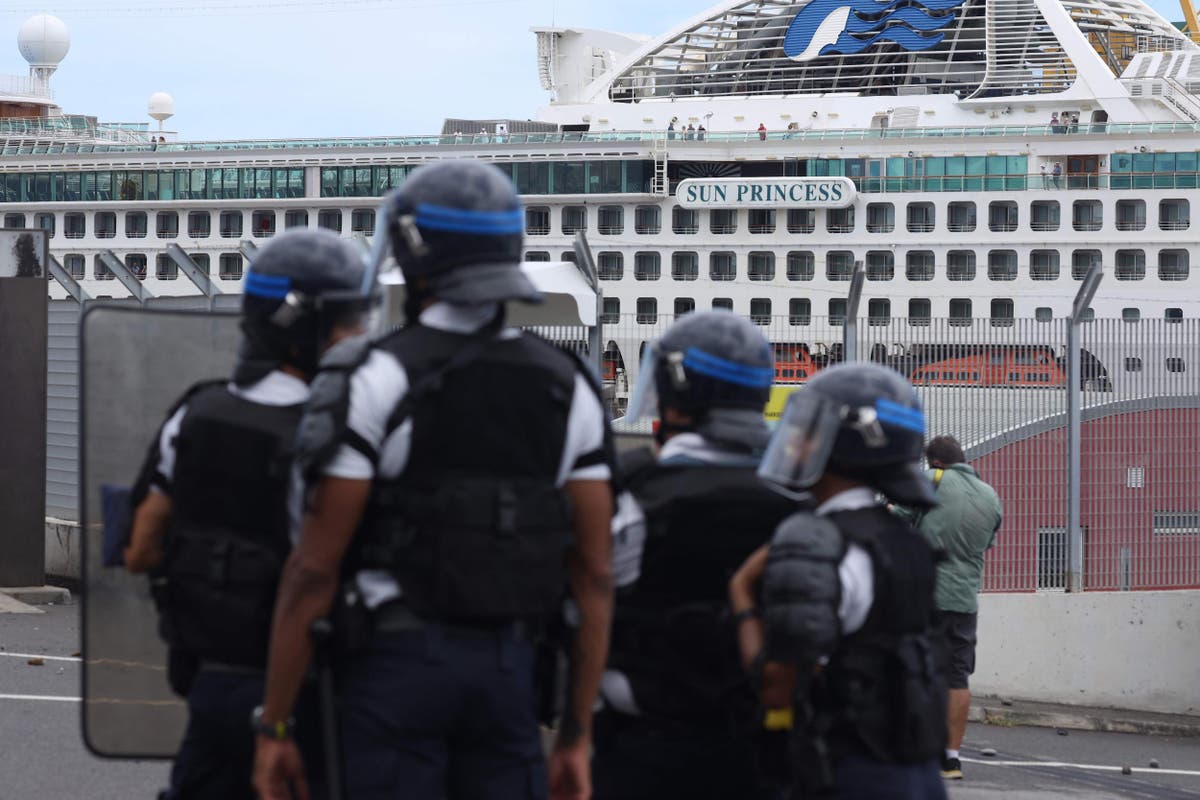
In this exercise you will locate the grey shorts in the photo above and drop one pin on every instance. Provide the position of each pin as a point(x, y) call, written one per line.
point(959, 632)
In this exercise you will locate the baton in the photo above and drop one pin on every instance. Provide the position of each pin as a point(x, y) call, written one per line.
point(331, 741)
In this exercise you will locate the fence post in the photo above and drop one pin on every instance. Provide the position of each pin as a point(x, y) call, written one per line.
point(585, 262)
point(1083, 299)
point(850, 324)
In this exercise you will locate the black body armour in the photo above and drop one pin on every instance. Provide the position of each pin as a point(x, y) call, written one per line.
point(673, 636)
point(228, 536)
point(885, 684)
point(475, 529)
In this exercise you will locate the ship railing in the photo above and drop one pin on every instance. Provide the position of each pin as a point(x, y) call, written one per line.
point(24, 86)
point(1174, 179)
point(122, 140)
point(651, 137)
point(1169, 91)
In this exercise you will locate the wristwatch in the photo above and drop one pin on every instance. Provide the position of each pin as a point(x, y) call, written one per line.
point(746, 614)
point(278, 731)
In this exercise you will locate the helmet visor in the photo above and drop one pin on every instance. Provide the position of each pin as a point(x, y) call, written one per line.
point(349, 313)
point(803, 441)
point(643, 403)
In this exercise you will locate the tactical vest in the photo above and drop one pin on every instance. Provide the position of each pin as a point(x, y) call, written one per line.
point(673, 636)
point(885, 685)
point(475, 528)
point(228, 536)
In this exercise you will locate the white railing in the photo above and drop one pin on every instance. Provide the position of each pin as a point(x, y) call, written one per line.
point(20, 86)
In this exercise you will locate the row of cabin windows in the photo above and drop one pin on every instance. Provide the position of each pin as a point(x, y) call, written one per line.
point(607, 176)
point(880, 265)
point(961, 217)
point(546, 177)
point(230, 266)
point(879, 311)
point(1131, 215)
point(220, 183)
point(166, 224)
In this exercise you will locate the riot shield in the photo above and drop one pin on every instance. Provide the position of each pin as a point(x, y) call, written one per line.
point(135, 363)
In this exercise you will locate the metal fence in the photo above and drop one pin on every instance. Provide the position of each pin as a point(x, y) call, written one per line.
point(1004, 389)
point(1129, 520)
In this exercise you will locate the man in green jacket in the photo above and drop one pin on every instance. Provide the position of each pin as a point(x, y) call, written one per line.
point(962, 526)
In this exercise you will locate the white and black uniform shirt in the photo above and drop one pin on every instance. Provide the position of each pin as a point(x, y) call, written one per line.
point(277, 389)
point(629, 540)
point(378, 386)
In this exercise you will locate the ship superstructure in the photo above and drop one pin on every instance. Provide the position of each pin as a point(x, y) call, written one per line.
point(986, 154)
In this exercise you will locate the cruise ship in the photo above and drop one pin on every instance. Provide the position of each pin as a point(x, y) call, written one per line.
point(977, 157)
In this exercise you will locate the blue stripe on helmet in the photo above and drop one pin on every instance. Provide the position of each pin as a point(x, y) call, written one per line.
point(272, 287)
point(728, 371)
point(910, 419)
point(458, 220)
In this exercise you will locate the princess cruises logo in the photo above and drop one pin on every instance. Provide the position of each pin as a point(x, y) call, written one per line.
point(847, 27)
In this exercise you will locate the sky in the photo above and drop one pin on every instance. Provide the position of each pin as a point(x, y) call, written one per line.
point(320, 68)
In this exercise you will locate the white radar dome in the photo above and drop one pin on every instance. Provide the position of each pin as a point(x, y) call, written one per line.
point(44, 41)
point(161, 106)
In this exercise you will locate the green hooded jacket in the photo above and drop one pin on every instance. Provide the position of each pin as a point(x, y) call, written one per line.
point(963, 526)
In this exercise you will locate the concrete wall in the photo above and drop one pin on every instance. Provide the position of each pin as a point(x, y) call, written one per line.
point(1133, 650)
point(64, 549)
point(22, 426)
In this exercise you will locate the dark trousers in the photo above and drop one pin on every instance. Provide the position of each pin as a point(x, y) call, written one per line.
point(442, 713)
point(216, 759)
point(217, 754)
point(640, 760)
point(860, 778)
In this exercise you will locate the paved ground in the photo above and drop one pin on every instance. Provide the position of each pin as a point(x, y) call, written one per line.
point(1040, 764)
point(42, 754)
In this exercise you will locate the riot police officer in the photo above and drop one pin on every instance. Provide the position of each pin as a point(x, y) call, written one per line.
point(846, 594)
point(460, 473)
point(212, 515)
point(678, 709)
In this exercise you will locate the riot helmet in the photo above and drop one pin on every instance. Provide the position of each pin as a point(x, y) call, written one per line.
point(862, 421)
point(457, 230)
point(716, 368)
point(300, 287)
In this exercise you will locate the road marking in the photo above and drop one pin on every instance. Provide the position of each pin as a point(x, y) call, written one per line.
point(1097, 767)
point(104, 701)
point(108, 662)
point(46, 658)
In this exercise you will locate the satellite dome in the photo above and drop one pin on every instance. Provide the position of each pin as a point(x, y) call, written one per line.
point(44, 40)
point(161, 106)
